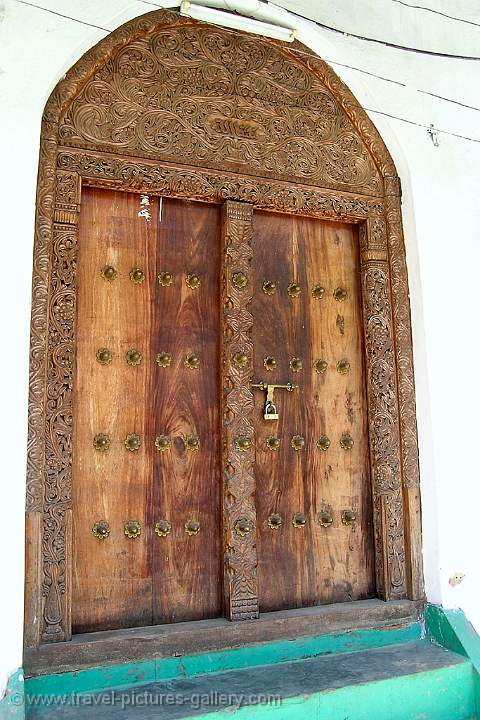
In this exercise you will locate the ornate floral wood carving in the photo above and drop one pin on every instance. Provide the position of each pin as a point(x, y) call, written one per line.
point(239, 482)
point(217, 116)
point(223, 100)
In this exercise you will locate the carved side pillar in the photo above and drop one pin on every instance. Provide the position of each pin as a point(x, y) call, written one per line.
point(57, 512)
point(238, 445)
point(406, 388)
point(384, 428)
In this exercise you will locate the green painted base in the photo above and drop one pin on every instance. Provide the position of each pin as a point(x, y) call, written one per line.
point(118, 676)
point(437, 695)
point(12, 705)
point(451, 629)
point(447, 693)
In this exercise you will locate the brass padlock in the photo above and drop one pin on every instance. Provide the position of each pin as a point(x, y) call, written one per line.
point(270, 409)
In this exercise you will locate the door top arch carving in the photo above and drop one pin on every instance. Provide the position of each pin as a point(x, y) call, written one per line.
point(175, 90)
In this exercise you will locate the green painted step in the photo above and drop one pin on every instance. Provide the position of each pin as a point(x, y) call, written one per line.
point(249, 656)
point(415, 680)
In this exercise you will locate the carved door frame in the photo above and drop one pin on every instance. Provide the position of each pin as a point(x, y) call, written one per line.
point(64, 169)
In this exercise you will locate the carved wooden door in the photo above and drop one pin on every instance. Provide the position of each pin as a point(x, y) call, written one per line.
point(150, 484)
point(313, 493)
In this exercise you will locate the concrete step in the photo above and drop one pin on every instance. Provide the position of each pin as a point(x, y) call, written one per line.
point(411, 681)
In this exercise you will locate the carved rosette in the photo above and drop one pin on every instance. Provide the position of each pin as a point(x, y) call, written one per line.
point(237, 399)
point(58, 418)
point(384, 430)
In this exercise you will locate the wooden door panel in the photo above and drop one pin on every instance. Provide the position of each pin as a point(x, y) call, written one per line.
point(185, 402)
point(312, 564)
point(112, 584)
point(121, 581)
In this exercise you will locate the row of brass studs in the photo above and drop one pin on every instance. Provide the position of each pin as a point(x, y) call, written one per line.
point(297, 442)
point(296, 364)
point(324, 518)
point(294, 290)
point(137, 276)
point(101, 442)
point(134, 358)
point(132, 528)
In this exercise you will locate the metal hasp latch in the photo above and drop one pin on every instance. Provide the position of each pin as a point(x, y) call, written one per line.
point(270, 409)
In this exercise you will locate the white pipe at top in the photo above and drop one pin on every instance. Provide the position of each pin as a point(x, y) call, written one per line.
point(303, 29)
point(235, 21)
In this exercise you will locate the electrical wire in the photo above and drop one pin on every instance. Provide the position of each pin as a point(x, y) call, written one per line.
point(436, 12)
point(379, 112)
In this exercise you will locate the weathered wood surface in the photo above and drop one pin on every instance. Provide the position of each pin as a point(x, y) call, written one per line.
point(313, 564)
point(121, 581)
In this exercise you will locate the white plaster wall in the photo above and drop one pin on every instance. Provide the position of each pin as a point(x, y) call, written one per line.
point(442, 225)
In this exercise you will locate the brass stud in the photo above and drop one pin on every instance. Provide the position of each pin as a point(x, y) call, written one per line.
point(242, 527)
point(104, 356)
point(240, 360)
point(165, 279)
point(349, 517)
point(162, 528)
point(132, 442)
point(192, 443)
point(318, 292)
point(109, 273)
point(192, 527)
point(273, 442)
point(299, 520)
point(163, 443)
point(101, 530)
point(192, 361)
point(243, 443)
point(325, 518)
point(340, 294)
point(269, 362)
point(346, 441)
point(323, 442)
point(134, 357)
point(298, 442)
point(101, 442)
point(320, 365)
point(132, 529)
point(275, 521)
point(296, 364)
point(163, 359)
point(239, 280)
point(137, 276)
point(269, 287)
point(343, 367)
point(192, 281)
point(294, 290)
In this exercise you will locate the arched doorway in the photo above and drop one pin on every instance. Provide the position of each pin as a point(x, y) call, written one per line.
point(219, 243)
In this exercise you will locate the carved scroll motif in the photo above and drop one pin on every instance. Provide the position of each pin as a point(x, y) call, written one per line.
point(207, 97)
point(383, 412)
point(239, 481)
point(216, 186)
point(58, 418)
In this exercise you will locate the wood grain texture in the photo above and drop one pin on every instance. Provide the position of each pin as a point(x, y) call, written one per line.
point(310, 565)
point(184, 402)
point(120, 581)
point(112, 584)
